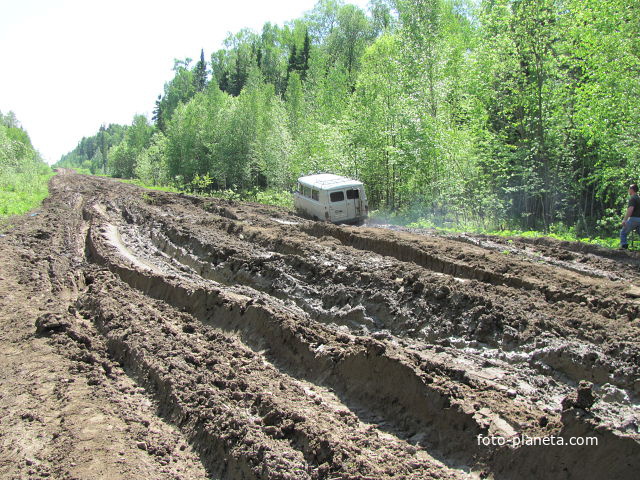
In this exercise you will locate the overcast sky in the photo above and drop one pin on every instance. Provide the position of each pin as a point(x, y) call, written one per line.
point(69, 66)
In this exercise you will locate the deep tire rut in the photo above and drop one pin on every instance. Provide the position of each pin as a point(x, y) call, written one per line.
point(289, 349)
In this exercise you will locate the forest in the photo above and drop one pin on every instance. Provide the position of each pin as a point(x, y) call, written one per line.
point(496, 114)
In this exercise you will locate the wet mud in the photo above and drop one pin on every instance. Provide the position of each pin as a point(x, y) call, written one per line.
point(282, 348)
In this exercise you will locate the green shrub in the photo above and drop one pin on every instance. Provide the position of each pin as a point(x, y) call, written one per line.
point(21, 192)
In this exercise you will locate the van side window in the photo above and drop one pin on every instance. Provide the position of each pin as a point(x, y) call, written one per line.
point(353, 194)
point(315, 195)
point(307, 192)
point(337, 196)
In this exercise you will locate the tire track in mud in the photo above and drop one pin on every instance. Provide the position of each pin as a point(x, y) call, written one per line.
point(553, 300)
point(570, 361)
point(391, 244)
point(537, 256)
point(78, 414)
point(306, 351)
point(266, 274)
point(283, 351)
point(578, 257)
point(197, 256)
point(282, 270)
point(206, 396)
point(362, 372)
point(591, 253)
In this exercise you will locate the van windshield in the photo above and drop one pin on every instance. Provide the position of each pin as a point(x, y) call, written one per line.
point(337, 196)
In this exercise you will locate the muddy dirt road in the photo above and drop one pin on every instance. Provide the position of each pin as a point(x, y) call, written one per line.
point(154, 335)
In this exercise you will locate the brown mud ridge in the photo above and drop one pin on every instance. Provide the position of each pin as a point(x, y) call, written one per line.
point(282, 348)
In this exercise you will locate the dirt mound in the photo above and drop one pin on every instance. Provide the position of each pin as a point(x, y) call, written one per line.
point(280, 348)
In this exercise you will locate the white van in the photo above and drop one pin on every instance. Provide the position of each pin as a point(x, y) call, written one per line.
point(331, 197)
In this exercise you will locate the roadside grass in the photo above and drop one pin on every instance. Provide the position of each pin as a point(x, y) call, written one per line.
point(608, 242)
point(558, 232)
point(279, 198)
point(23, 191)
point(567, 236)
point(140, 183)
point(274, 197)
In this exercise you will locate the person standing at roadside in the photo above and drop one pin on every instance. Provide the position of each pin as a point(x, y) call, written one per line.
point(631, 219)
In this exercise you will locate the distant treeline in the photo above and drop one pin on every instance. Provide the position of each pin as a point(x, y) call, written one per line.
point(520, 113)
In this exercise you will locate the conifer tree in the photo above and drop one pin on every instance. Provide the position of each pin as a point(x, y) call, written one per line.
point(103, 147)
point(238, 78)
point(200, 73)
point(303, 64)
point(224, 82)
point(157, 114)
point(293, 61)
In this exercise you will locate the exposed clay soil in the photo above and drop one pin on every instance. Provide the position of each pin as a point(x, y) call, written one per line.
point(154, 335)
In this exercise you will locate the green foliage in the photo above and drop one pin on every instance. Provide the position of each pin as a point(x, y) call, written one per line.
point(559, 232)
point(278, 198)
point(178, 91)
point(151, 165)
point(201, 183)
point(377, 127)
point(23, 174)
point(140, 183)
point(123, 157)
point(200, 74)
point(485, 115)
point(92, 152)
point(20, 193)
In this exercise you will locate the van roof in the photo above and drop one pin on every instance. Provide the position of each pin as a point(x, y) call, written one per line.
point(326, 181)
